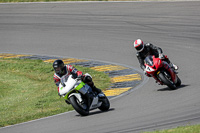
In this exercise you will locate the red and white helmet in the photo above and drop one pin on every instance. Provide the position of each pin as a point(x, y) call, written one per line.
point(138, 44)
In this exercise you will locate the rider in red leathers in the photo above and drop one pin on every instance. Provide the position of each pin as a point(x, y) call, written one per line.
point(143, 50)
point(61, 69)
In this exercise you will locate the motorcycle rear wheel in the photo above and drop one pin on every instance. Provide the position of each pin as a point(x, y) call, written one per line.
point(164, 78)
point(105, 104)
point(77, 107)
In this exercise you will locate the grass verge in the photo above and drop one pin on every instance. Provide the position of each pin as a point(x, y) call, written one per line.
point(15, 1)
point(8, 1)
point(28, 92)
point(185, 129)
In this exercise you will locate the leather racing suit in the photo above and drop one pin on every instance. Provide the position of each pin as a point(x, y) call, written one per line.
point(150, 49)
point(69, 69)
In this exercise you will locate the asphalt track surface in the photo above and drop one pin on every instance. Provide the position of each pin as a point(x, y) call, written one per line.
point(105, 32)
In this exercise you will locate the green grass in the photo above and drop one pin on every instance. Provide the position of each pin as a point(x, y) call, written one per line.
point(28, 92)
point(7, 1)
point(185, 129)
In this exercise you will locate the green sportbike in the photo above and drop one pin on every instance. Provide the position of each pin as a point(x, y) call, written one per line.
point(80, 95)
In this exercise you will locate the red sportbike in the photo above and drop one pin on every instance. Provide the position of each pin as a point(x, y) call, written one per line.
point(161, 72)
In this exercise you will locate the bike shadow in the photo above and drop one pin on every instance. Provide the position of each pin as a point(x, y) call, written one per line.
point(94, 112)
point(168, 89)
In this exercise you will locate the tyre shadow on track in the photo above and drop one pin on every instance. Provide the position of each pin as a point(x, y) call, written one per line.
point(168, 89)
point(97, 112)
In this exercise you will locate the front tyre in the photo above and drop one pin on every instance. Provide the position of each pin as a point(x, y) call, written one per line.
point(105, 104)
point(164, 78)
point(178, 83)
point(76, 105)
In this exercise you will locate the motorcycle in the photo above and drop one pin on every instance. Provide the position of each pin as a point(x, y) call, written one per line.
point(161, 71)
point(80, 95)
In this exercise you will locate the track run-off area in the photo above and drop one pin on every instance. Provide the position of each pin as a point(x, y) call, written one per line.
point(123, 78)
point(104, 32)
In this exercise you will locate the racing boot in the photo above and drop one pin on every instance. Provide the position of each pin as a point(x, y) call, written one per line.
point(88, 79)
point(174, 67)
point(98, 92)
point(94, 88)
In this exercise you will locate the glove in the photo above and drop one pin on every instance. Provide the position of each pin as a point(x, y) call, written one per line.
point(161, 56)
point(79, 74)
point(148, 75)
point(145, 72)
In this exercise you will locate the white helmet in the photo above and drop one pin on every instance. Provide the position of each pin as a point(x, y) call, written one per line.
point(138, 44)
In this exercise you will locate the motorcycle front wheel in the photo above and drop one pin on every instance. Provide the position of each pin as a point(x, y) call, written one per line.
point(76, 105)
point(178, 83)
point(164, 78)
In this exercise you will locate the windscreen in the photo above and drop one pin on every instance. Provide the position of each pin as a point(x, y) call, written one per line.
point(149, 60)
point(64, 78)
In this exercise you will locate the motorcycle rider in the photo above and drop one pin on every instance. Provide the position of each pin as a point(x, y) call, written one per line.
point(143, 50)
point(61, 70)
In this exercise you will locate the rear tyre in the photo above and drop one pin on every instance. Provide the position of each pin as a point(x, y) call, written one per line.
point(76, 105)
point(164, 78)
point(105, 104)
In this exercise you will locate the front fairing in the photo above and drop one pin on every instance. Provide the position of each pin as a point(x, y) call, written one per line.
point(149, 64)
point(83, 88)
point(152, 64)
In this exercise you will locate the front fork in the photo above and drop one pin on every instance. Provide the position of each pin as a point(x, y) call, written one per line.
point(157, 80)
